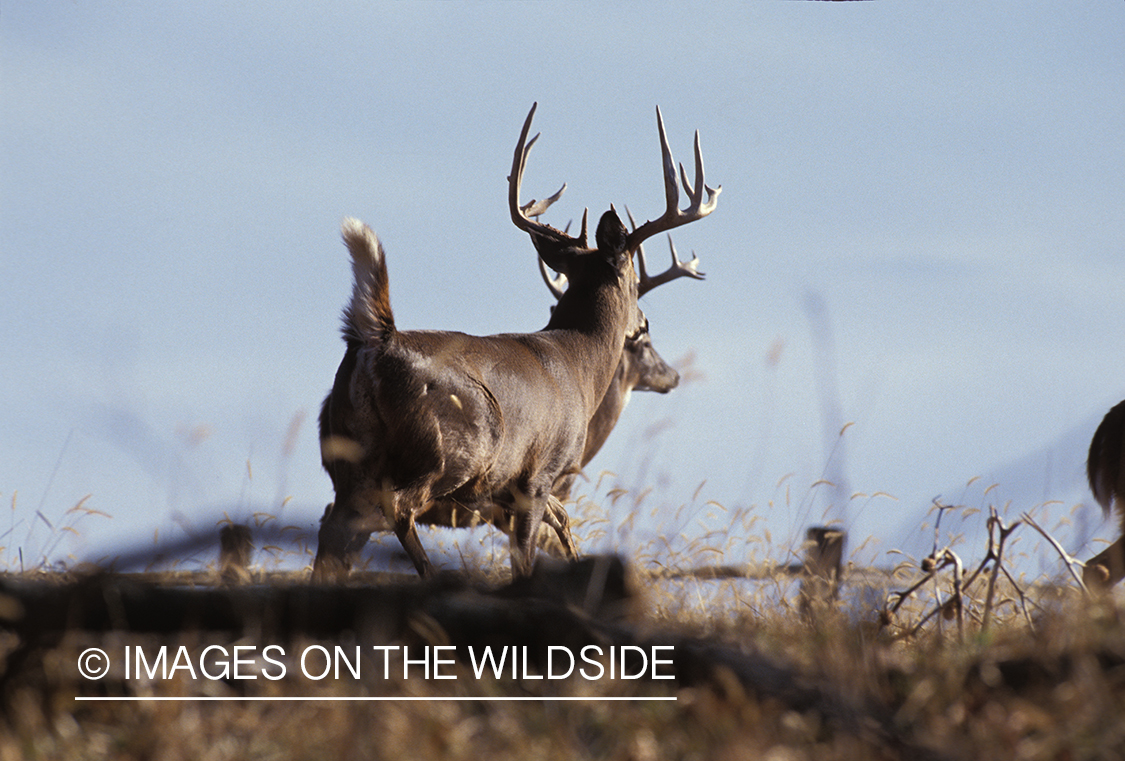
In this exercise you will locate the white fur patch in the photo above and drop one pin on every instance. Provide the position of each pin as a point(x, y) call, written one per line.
point(353, 229)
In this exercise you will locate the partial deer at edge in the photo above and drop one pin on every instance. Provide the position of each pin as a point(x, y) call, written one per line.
point(1105, 469)
point(419, 416)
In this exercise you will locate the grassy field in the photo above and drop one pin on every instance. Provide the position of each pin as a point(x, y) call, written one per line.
point(973, 663)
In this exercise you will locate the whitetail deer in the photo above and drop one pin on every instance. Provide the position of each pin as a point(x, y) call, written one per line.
point(419, 416)
point(641, 368)
point(1105, 469)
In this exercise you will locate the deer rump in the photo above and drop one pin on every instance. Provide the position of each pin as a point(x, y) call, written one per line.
point(462, 430)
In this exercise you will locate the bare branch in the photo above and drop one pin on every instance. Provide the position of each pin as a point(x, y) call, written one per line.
point(1067, 559)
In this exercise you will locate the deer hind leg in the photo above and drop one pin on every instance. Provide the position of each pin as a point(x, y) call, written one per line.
point(338, 543)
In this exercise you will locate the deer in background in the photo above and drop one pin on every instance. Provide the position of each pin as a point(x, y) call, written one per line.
point(421, 416)
point(640, 369)
point(1105, 469)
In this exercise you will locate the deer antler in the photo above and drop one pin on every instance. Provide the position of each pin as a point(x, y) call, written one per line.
point(521, 215)
point(673, 216)
point(535, 208)
point(556, 284)
point(678, 269)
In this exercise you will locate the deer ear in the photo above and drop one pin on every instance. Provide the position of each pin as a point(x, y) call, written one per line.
point(611, 237)
point(558, 255)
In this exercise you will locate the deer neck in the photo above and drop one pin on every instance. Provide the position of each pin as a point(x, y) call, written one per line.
point(593, 323)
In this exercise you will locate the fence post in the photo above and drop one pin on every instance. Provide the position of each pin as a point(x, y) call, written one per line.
point(235, 546)
point(824, 555)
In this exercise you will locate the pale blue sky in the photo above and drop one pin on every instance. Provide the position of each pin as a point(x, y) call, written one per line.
point(947, 177)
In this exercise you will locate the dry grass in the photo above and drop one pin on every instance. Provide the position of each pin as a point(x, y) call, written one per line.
point(951, 656)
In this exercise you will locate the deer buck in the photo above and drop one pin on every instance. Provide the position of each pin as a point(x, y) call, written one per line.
point(1105, 469)
point(418, 417)
point(640, 368)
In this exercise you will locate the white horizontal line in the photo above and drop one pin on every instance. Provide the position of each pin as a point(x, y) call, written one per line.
point(290, 698)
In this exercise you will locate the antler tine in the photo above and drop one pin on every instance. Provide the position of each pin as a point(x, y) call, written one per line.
point(515, 179)
point(535, 208)
point(700, 185)
point(584, 236)
point(557, 284)
point(673, 216)
point(677, 270)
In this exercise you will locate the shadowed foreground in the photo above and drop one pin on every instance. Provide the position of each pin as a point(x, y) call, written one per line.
point(773, 685)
